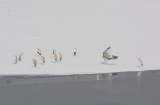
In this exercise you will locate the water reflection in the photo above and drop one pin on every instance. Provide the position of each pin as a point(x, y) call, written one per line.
point(60, 90)
point(97, 76)
point(74, 78)
point(108, 75)
point(139, 73)
point(17, 80)
point(7, 82)
point(104, 76)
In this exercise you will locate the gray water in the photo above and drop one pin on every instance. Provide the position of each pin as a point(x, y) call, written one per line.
point(120, 89)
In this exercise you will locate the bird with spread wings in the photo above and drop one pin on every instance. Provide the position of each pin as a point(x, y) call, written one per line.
point(108, 56)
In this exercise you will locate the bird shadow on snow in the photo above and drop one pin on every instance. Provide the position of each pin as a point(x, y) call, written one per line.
point(54, 62)
point(139, 66)
point(17, 62)
point(37, 55)
point(35, 67)
point(105, 63)
point(41, 63)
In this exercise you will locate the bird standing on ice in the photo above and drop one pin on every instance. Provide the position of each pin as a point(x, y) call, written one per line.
point(140, 61)
point(55, 57)
point(38, 51)
point(42, 58)
point(108, 56)
point(20, 56)
point(15, 59)
point(34, 62)
point(54, 52)
point(60, 56)
point(74, 51)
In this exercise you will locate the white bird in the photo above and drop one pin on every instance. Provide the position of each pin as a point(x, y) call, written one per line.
point(20, 56)
point(55, 57)
point(60, 56)
point(34, 62)
point(108, 56)
point(15, 59)
point(42, 58)
point(140, 61)
point(38, 51)
point(54, 52)
point(74, 51)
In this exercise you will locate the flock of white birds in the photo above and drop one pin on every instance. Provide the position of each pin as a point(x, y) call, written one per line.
point(54, 55)
point(107, 55)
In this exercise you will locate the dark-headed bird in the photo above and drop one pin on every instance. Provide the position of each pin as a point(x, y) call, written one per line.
point(34, 62)
point(42, 58)
point(60, 56)
point(108, 56)
point(55, 57)
point(140, 62)
point(20, 56)
point(38, 51)
point(54, 52)
point(74, 51)
point(15, 59)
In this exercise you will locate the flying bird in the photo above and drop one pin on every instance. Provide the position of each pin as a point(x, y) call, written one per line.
point(60, 56)
point(140, 62)
point(15, 59)
point(20, 56)
point(34, 62)
point(108, 56)
point(74, 51)
point(38, 51)
point(42, 58)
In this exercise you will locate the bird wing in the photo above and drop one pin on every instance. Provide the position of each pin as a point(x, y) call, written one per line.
point(106, 51)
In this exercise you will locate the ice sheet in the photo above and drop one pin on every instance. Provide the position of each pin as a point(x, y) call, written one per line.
point(131, 28)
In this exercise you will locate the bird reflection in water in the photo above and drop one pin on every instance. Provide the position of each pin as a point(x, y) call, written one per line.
point(7, 82)
point(74, 78)
point(109, 75)
point(139, 73)
point(97, 76)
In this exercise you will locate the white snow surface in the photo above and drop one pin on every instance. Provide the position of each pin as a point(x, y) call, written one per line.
point(130, 27)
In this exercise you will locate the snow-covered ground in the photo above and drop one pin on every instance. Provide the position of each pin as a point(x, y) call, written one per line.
point(130, 27)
